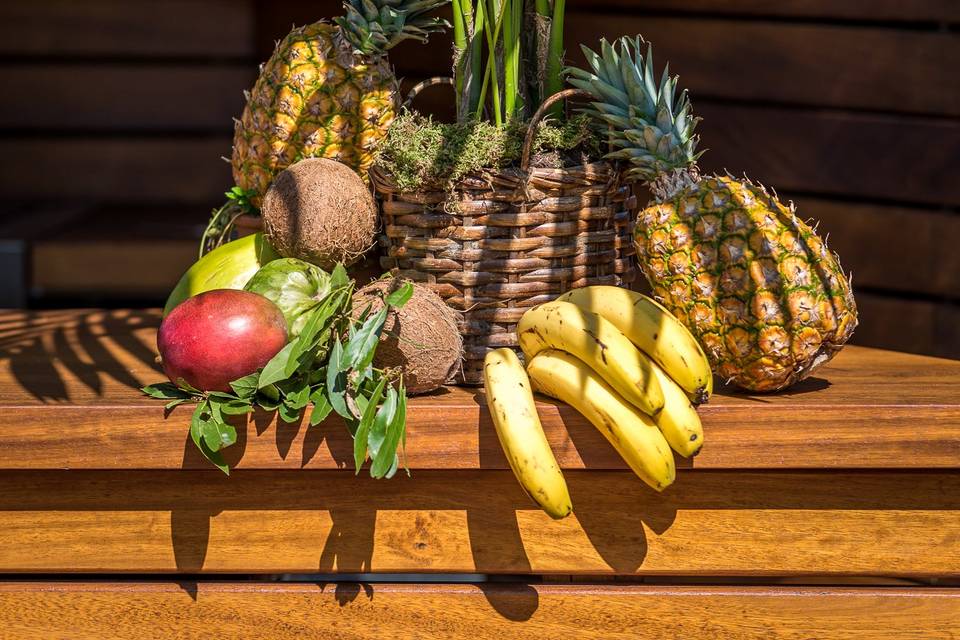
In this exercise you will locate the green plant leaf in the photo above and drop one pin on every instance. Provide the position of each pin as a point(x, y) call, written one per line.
point(321, 406)
point(246, 387)
point(186, 386)
point(198, 439)
point(276, 369)
point(217, 434)
point(210, 434)
point(339, 277)
point(289, 414)
point(299, 397)
point(401, 296)
point(364, 343)
point(378, 431)
point(236, 407)
point(268, 397)
point(401, 417)
point(385, 465)
point(317, 376)
point(166, 391)
point(195, 419)
point(363, 430)
point(175, 403)
point(337, 381)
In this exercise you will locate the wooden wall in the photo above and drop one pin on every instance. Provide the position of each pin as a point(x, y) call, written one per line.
point(116, 114)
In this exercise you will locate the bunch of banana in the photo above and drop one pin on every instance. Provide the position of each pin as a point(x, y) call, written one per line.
point(619, 358)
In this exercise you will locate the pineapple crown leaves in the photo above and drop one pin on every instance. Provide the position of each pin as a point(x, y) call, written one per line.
point(374, 26)
point(648, 126)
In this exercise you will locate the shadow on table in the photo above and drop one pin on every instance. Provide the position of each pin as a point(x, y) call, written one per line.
point(807, 385)
point(91, 347)
point(613, 521)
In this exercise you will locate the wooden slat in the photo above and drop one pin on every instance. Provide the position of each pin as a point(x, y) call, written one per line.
point(859, 10)
point(79, 371)
point(173, 28)
point(809, 64)
point(876, 243)
point(125, 170)
point(151, 268)
point(799, 151)
point(123, 97)
point(911, 325)
point(719, 523)
point(94, 611)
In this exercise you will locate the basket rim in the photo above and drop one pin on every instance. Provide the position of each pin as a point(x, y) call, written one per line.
point(380, 176)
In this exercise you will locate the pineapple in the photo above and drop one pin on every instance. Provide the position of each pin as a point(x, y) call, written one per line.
point(327, 91)
point(760, 290)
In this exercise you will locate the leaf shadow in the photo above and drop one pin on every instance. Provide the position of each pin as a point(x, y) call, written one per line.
point(92, 347)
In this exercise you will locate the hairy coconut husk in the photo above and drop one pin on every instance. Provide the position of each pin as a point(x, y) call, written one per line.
point(421, 338)
point(319, 210)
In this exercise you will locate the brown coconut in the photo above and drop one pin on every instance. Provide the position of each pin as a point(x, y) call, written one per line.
point(421, 338)
point(319, 210)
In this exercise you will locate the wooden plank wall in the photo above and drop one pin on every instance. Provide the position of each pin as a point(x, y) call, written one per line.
point(851, 108)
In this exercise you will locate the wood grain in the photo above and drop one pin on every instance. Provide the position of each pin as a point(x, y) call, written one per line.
point(717, 523)
point(859, 10)
point(828, 65)
point(150, 267)
point(85, 97)
point(856, 231)
point(911, 325)
point(173, 28)
point(797, 151)
point(78, 372)
point(93, 611)
point(118, 170)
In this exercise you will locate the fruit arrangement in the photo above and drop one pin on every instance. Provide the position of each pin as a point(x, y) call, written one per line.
point(289, 339)
point(637, 386)
point(259, 323)
point(754, 283)
point(501, 230)
point(328, 91)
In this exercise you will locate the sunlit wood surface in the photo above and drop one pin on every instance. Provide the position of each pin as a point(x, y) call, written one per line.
point(69, 399)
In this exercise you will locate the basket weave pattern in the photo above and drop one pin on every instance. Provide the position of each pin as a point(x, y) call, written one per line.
point(502, 242)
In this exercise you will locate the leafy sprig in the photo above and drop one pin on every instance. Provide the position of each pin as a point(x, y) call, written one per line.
point(308, 371)
point(223, 218)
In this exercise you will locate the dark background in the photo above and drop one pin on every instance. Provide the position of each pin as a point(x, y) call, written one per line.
point(115, 115)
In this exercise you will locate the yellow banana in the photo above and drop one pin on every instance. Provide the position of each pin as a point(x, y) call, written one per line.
point(655, 331)
point(678, 420)
point(510, 400)
point(598, 343)
point(634, 435)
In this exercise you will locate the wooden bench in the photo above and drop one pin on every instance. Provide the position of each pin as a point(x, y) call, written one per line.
point(832, 510)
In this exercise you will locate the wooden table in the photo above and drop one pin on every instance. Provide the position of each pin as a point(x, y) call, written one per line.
point(830, 510)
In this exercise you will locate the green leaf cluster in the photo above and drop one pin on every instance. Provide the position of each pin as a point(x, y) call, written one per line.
point(309, 371)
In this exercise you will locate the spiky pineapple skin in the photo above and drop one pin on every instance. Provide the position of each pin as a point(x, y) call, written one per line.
point(755, 284)
point(315, 97)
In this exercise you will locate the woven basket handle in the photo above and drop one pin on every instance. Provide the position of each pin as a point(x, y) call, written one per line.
point(420, 86)
point(538, 116)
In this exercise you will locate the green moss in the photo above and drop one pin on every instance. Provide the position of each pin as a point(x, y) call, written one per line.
point(419, 152)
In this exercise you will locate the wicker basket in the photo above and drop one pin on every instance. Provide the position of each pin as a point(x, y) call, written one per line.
point(510, 239)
